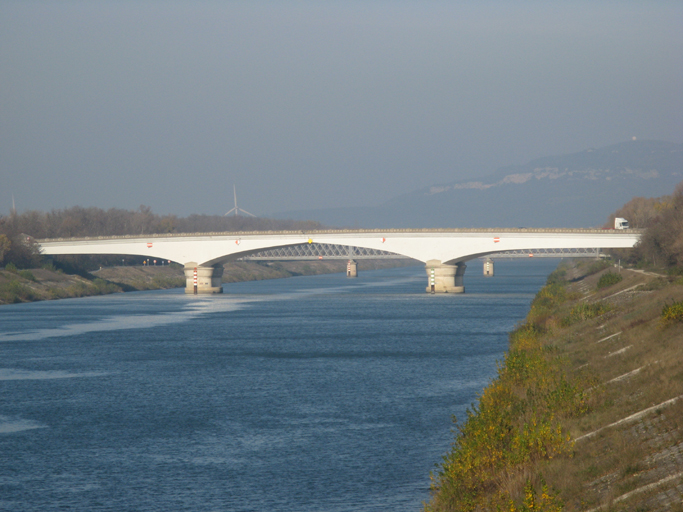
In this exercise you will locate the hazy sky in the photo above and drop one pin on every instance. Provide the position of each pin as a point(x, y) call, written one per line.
point(307, 104)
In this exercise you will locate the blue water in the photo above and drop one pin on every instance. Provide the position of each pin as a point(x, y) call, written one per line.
point(305, 394)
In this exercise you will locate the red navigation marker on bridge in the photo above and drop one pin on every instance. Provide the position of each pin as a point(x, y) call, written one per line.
point(149, 244)
point(496, 239)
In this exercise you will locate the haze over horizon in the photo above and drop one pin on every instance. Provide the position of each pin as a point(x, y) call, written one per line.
point(307, 105)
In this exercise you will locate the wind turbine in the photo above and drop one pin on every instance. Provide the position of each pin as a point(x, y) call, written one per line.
point(237, 209)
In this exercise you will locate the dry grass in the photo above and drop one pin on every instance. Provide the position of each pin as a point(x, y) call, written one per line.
point(635, 454)
point(613, 344)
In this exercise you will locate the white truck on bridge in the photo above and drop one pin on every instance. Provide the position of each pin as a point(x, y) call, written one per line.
point(620, 223)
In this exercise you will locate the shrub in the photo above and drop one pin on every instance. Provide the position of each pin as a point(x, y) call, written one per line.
point(55, 293)
point(11, 267)
point(675, 271)
point(558, 276)
point(104, 287)
point(13, 292)
point(608, 279)
point(584, 311)
point(77, 290)
point(672, 312)
point(547, 299)
point(27, 274)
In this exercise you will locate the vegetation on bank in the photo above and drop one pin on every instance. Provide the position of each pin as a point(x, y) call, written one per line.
point(516, 423)
point(559, 428)
point(24, 286)
point(49, 282)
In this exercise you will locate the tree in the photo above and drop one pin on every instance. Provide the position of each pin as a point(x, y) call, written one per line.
point(5, 244)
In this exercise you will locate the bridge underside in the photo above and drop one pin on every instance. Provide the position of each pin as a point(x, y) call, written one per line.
point(441, 278)
point(344, 252)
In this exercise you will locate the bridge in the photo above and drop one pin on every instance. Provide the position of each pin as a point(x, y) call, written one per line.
point(444, 251)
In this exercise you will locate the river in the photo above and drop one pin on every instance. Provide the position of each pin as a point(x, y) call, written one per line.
point(314, 393)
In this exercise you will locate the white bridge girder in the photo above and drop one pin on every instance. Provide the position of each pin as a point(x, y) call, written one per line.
point(447, 246)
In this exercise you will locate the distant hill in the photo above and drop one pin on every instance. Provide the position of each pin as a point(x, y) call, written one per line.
point(576, 190)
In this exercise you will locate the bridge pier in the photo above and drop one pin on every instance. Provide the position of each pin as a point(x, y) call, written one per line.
point(352, 269)
point(208, 279)
point(443, 278)
point(488, 267)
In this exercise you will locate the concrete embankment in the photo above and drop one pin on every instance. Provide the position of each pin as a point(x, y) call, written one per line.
point(628, 451)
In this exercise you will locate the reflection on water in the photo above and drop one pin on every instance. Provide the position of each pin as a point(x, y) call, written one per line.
point(17, 374)
point(10, 425)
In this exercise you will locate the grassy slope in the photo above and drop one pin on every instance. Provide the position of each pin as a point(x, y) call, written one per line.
point(545, 434)
point(43, 284)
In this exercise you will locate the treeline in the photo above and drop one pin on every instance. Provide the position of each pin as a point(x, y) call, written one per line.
point(80, 222)
point(662, 242)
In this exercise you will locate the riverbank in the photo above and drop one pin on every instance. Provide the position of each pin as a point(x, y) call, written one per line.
point(585, 413)
point(49, 284)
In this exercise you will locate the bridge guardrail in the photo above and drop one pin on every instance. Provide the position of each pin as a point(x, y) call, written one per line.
point(345, 231)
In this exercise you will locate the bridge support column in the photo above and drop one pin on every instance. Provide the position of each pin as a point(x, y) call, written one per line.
point(208, 279)
point(488, 267)
point(352, 269)
point(445, 278)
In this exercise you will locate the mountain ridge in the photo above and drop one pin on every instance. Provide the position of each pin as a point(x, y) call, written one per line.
point(572, 190)
point(628, 161)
